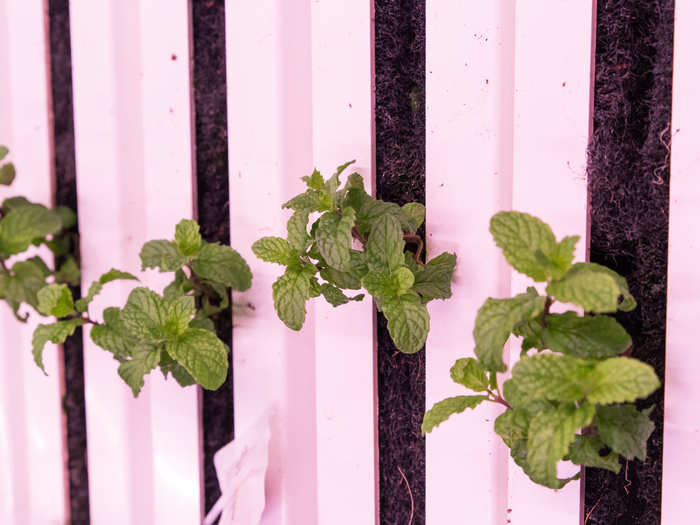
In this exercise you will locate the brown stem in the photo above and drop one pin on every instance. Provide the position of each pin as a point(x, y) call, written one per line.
point(417, 240)
point(547, 305)
point(3, 266)
point(499, 399)
point(357, 235)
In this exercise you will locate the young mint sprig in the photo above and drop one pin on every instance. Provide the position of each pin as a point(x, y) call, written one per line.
point(574, 401)
point(376, 260)
point(172, 330)
point(23, 225)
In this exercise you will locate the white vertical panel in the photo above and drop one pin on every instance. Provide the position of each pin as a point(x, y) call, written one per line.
point(682, 391)
point(551, 132)
point(269, 120)
point(168, 198)
point(469, 93)
point(342, 131)
point(132, 120)
point(31, 452)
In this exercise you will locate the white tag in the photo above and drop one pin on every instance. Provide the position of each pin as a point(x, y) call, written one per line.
point(241, 466)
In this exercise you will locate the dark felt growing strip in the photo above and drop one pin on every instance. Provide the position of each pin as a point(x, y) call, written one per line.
point(400, 153)
point(209, 78)
point(628, 188)
point(64, 168)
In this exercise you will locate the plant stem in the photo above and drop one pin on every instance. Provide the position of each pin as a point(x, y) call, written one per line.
point(496, 398)
point(547, 305)
point(417, 240)
point(3, 266)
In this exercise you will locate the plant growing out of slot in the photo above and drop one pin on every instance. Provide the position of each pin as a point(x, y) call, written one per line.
point(174, 330)
point(377, 261)
point(571, 393)
point(24, 227)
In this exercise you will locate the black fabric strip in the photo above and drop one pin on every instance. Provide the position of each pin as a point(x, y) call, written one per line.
point(66, 195)
point(209, 76)
point(628, 188)
point(400, 150)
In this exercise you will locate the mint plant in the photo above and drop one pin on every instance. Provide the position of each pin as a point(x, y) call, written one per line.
point(396, 278)
point(571, 393)
point(25, 225)
point(173, 330)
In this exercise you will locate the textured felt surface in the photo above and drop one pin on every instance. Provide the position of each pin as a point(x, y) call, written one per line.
point(64, 165)
point(209, 76)
point(628, 187)
point(400, 146)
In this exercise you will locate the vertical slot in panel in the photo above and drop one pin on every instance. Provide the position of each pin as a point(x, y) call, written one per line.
point(345, 380)
point(551, 133)
point(168, 198)
point(269, 118)
point(682, 397)
point(469, 93)
point(32, 485)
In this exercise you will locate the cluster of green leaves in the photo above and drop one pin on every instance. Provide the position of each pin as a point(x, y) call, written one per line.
point(173, 330)
point(571, 393)
point(25, 225)
point(399, 282)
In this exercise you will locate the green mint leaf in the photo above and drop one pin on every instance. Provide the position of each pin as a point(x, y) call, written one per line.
point(114, 336)
point(385, 243)
point(3, 152)
point(408, 322)
point(335, 296)
point(180, 286)
point(133, 370)
point(315, 181)
point(520, 236)
point(28, 277)
point(494, 322)
point(512, 425)
point(222, 264)
point(593, 337)
point(162, 254)
point(433, 281)
point(187, 237)
point(414, 216)
point(21, 226)
point(442, 410)
point(593, 287)
point(81, 305)
point(297, 237)
point(56, 300)
point(144, 315)
point(516, 398)
point(562, 255)
point(273, 249)
point(202, 354)
point(181, 375)
point(621, 379)
point(468, 372)
point(69, 273)
point(334, 239)
point(554, 377)
point(383, 284)
point(625, 429)
point(350, 280)
point(203, 322)
point(585, 450)
point(549, 437)
point(179, 312)
point(7, 174)
point(289, 294)
point(67, 216)
point(308, 201)
point(11, 203)
point(368, 210)
point(56, 333)
point(531, 332)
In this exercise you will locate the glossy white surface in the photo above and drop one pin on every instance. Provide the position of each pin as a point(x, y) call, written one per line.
point(32, 483)
point(132, 119)
point(681, 461)
point(505, 130)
